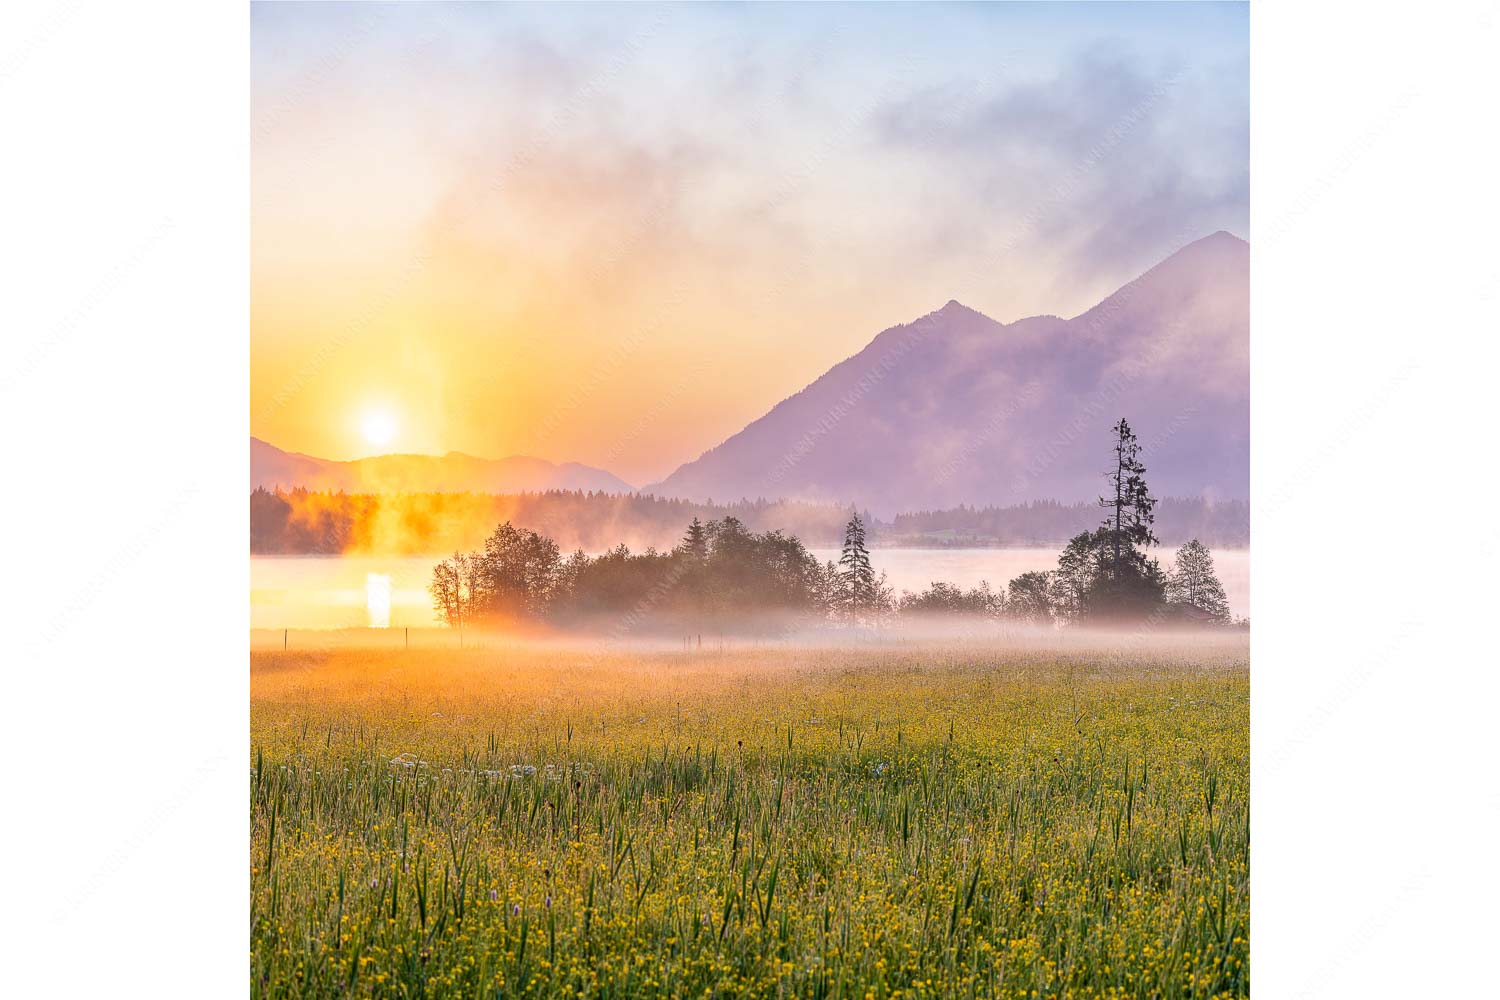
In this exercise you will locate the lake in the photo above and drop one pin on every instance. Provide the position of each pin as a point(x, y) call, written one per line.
point(312, 592)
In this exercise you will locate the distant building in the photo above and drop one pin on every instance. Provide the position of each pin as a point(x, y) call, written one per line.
point(1196, 615)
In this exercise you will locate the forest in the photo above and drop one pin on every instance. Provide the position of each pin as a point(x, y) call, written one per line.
point(721, 575)
point(303, 522)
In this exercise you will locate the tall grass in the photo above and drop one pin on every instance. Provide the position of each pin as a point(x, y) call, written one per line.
point(935, 821)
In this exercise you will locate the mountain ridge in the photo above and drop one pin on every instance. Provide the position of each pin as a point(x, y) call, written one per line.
point(453, 472)
point(1035, 397)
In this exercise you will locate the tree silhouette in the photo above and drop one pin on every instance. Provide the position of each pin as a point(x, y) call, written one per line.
point(1192, 582)
point(695, 542)
point(1130, 523)
point(1131, 584)
point(516, 577)
point(454, 582)
point(948, 600)
point(742, 581)
point(1028, 599)
point(858, 576)
point(1079, 569)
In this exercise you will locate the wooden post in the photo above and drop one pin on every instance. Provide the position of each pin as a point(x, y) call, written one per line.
point(283, 639)
point(408, 637)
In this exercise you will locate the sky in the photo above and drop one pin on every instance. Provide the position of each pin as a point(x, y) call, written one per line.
point(617, 234)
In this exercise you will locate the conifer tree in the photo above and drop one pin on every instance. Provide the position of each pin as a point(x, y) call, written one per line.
point(1131, 503)
point(858, 576)
point(1131, 584)
point(695, 542)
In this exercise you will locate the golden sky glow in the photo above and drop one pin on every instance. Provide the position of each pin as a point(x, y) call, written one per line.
point(617, 235)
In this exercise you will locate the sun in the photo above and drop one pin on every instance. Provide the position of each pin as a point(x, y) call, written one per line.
point(378, 427)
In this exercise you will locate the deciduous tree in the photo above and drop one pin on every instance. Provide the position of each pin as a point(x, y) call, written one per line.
point(1192, 582)
point(1028, 599)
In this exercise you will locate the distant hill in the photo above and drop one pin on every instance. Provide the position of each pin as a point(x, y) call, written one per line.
point(297, 522)
point(1221, 524)
point(455, 472)
point(957, 408)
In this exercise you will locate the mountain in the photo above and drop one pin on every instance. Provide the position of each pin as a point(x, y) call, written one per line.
point(956, 408)
point(454, 472)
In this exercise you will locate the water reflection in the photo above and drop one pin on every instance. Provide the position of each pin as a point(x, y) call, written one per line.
point(378, 599)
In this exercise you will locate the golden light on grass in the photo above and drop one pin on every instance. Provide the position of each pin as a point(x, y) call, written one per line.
point(538, 820)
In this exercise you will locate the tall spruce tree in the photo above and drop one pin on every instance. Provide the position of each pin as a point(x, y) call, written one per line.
point(1132, 584)
point(858, 576)
point(695, 542)
point(1130, 502)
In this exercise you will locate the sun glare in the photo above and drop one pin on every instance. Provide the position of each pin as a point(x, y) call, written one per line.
point(378, 427)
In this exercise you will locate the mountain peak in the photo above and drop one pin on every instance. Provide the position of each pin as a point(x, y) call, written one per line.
point(954, 308)
point(1222, 241)
point(983, 419)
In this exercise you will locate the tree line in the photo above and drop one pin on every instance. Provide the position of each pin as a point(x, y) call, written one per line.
point(722, 575)
point(1224, 523)
point(307, 522)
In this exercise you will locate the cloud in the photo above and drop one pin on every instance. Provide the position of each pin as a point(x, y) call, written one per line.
point(766, 187)
point(1104, 166)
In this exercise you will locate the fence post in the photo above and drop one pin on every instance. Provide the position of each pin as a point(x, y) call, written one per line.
point(283, 639)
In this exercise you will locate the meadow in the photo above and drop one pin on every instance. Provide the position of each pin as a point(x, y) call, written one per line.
point(1045, 817)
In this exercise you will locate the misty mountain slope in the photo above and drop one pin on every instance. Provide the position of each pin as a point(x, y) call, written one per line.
point(956, 408)
point(454, 472)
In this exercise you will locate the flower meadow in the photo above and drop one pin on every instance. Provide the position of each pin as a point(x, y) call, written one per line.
point(1056, 818)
